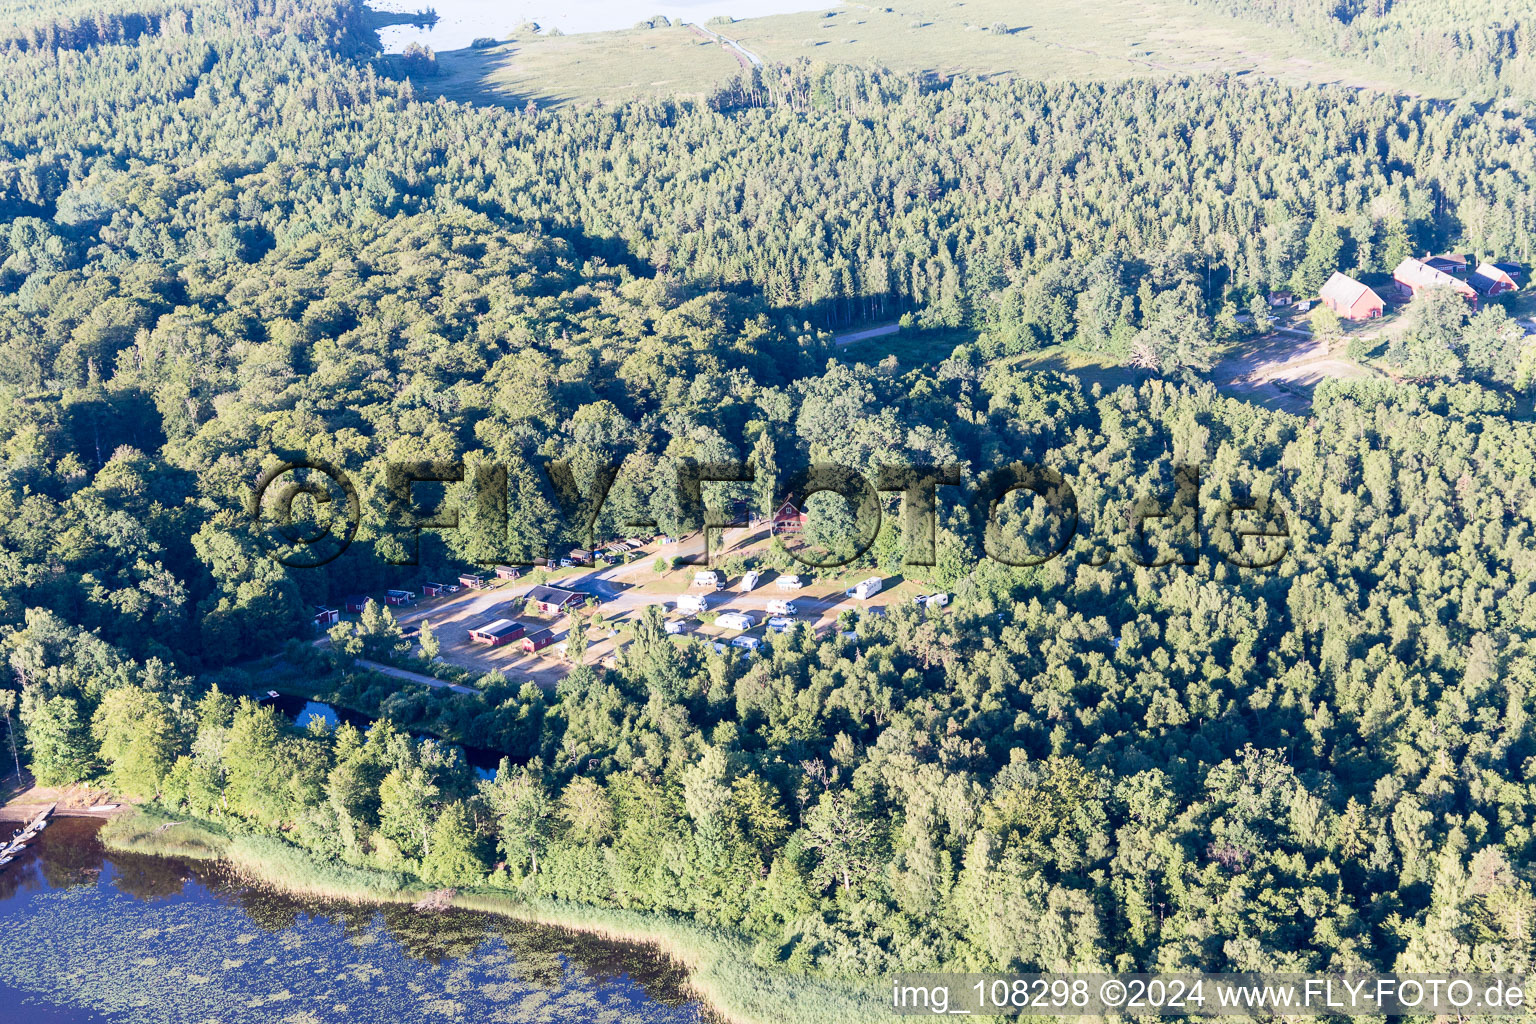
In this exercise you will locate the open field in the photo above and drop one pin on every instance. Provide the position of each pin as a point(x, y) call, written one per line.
point(612, 66)
point(1116, 39)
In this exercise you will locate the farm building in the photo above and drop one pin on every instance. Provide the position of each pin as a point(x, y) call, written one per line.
point(1414, 276)
point(1281, 298)
point(437, 589)
point(326, 617)
point(398, 597)
point(553, 600)
point(1350, 299)
point(508, 572)
point(1455, 263)
point(788, 519)
point(1489, 280)
point(501, 631)
point(472, 582)
point(539, 640)
point(1514, 270)
point(355, 603)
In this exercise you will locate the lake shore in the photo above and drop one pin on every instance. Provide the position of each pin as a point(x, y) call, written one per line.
point(719, 964)
point(67, 802)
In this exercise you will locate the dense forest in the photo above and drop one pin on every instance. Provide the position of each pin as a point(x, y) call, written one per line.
point(229, 239)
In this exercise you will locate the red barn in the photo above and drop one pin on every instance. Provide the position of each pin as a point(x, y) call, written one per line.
point(325, 617)
point(1491, 280)
point(538, 641)
point(398, 597)
point(501, 631)
point(788, 519)
point(1453, 263)
point(355, 603)
point(508, 572)
point(1414, 276)
point(1350, 299)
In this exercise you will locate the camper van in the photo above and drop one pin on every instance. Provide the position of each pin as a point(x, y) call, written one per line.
point(693, 603)
point(735, 620)
point(781, 607)
point(865, 590)
point(749, 581)
point(709, 578)
point(788, 583)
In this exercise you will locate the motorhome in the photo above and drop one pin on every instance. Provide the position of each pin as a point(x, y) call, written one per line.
point(693, 603)
point(864, 590)
point(777, 607)
point(749, 581)
point(709, 578)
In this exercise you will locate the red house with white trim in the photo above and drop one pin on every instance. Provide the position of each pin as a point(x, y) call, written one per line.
point(788, 519)
point(1491, 280)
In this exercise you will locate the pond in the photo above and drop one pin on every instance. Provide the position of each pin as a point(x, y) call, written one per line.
point(461, 22)
point(91, 936)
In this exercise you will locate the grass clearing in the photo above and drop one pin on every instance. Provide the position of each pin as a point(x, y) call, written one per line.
point(612, 66)
point(1113, 40)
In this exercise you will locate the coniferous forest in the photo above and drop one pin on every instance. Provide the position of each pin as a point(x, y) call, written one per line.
point(231, 234)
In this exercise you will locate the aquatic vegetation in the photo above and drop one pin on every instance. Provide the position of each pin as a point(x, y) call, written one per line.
point(130, 944)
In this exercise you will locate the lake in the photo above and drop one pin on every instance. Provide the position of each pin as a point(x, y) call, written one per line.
point(90, 936)
point(461, 22)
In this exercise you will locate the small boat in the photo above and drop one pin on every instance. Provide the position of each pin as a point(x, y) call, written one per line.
point(39, 825)
point(5, 860)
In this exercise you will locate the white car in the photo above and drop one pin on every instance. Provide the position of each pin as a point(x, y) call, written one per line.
point(779, 624)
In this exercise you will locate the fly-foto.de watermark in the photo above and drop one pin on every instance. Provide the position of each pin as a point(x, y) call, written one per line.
point(1209, 995)
point(307, 512)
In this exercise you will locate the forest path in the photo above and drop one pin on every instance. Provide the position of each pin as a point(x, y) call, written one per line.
point(865, 334)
